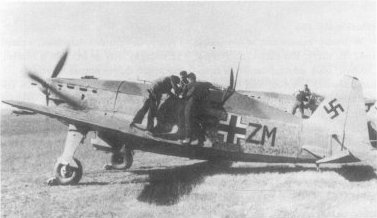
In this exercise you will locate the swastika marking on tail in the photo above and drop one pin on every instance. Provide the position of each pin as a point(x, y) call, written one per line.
point(333, 108)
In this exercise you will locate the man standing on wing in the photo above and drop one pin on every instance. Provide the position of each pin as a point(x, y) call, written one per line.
point(159, 87)
point(195, 94)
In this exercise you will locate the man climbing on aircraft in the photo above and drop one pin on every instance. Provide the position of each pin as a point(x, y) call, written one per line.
point(195, 95)
point(159, 87)
point(307, 92)
point(301, 97)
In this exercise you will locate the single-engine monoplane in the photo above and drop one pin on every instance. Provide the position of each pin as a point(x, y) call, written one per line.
point(238, 127)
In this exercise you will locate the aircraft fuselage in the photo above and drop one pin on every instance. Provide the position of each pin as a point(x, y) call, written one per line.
point(247, 129)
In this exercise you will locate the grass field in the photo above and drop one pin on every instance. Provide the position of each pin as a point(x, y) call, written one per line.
point(162, 186)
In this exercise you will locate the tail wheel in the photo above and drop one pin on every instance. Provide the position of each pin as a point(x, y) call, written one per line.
point(68, 175)
point(122, 160)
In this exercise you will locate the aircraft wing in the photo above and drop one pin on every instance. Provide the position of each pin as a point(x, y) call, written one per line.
point(93, 119)
point(135, 138)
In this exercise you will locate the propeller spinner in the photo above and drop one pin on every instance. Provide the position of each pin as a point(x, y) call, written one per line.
point(52, 89)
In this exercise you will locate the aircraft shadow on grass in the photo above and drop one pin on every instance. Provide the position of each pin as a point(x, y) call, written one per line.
point(168, 186)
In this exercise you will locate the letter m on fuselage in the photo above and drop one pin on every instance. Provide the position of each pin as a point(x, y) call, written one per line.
point(269, 134)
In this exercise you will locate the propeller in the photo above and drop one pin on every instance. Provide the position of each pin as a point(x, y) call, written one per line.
point(52, 89)
point(232, 84)
point(46, 89)
point(228, 92)
point(59, 66)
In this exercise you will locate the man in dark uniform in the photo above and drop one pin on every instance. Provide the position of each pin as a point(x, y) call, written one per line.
point(301, 97)
point(307, 92)
point(162, 86)
point(194, 94)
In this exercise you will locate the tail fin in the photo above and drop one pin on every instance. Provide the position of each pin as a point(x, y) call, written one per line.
point(342, 117)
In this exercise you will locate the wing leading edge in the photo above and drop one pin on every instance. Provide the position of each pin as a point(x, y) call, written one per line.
point(137, 139)
point(95, 120)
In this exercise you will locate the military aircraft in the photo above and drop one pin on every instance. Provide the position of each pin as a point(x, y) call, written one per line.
point(238, 127)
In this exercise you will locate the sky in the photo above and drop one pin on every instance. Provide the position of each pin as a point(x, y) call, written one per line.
point(283, 44)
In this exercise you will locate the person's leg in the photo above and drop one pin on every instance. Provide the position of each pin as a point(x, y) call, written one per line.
point(187, 113)
point(302, 109)
point(141, 113)
point(294, 108)
point(153, 107)
point(200, 130)
point(198, 119)
point(181, 119)
point(158, 100)
point(151, 114)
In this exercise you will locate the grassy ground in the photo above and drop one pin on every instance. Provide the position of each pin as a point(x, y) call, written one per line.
point(161, 186)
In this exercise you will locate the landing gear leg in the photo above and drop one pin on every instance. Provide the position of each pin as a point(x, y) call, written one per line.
point(68, 170)
point(120, 160)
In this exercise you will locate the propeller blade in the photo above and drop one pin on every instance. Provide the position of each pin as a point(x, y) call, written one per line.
point(37, 79)
point(52, 89)
point(60, 65)
point(231, 81)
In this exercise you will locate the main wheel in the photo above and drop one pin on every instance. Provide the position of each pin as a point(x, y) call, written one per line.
point(122, 160)
point(68, 175)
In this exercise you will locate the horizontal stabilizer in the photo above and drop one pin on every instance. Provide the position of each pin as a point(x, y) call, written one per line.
point(340, 157)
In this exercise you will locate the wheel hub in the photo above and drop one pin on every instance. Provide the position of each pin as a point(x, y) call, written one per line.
point(66, 171)
point(118, 159)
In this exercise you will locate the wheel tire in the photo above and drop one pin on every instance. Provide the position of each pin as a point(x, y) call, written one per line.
point(68, 175)
point(122, 160)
